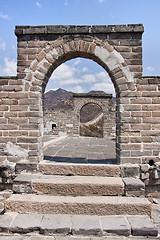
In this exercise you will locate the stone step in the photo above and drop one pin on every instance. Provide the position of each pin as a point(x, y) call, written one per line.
point(85, 205)
point(107, 170)
point(74, 225)
point(68, 185)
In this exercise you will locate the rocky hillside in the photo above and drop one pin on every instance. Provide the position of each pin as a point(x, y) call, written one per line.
point(58, 99)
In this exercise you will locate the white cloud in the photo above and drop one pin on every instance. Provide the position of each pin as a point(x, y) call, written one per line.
point(38, 4)
point(9, 68)
point(104, 86)
point(4, 16)
point(66, 2)
point(150, 68)
point(63, 72)
point(14, 48)
point(3, 46)
point(72, 76)
point(85, 69)
point(100, 1)
point(76, 62)
point(76, 89)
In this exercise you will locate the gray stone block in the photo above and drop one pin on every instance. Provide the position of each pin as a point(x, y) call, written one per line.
point(115, 225)
point(55, 224)
point(5, 222)
point(13, 238)
point(142, 226)
point(134, 187)
point(70, 238)
point(129, 170)
point(85, 225)
point(24, 223)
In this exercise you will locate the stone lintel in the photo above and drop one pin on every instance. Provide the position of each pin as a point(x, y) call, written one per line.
point(73, 29)
point(93, 95)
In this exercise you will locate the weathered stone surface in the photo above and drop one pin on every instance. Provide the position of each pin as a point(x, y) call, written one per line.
point(80, 169)
point(24, 223)
point(116, 225)
point(79, 185)
point(5, 222)
point(55, 224)
point(141, 226)
point(129, 170)
point(91, 205)
point(85, 225)
point(134, 187)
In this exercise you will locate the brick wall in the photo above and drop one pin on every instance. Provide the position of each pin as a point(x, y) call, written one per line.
point(118, 49)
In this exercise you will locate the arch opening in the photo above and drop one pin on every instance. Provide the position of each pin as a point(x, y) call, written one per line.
point(68, 118)
point(91, 121)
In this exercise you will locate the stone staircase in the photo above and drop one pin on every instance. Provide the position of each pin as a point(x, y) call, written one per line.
point(82, 192)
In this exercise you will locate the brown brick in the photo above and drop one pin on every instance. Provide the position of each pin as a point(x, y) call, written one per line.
point(3, 121)
point(22, 44)
point(15, 82)
point(151, 107)
point(123, 49)
point(28, 127)
point(151, 120)
point(137, 49)
point(139, 153)
point(11, 114)
point(141, 101)
point(141, 114)
point(29, 114)
point(131, 146)
point(26, 140)
point(156, 100)
point(155, 114)
point(34, 133)
point(132, 107)
point(140, 127)
point(155, 126)
point(33, 146)
point(27, 51)
point(4, 108)
point(31, 57)
point(151, 133)
point(151, 94)
point(18, 95)
point(7, 139)
point(72, 45)
point(141, 139)
point(91, 48)
point(18, 133)
point(18, 121)
point(41, 55)
point(146, 88)
point(18, 108)
point(66, 47)
point(24, 62)
point(12, 88)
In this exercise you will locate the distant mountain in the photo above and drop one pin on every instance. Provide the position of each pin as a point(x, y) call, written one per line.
point(61, 98)
point(57, 99)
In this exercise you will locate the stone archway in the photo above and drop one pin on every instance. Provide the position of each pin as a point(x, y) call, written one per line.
point(104, 101)
point(42, 49)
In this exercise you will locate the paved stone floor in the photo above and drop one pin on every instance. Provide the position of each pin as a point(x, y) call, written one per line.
point(81, 150)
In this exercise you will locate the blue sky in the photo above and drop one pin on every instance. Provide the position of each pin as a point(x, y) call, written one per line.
point(80, 75)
